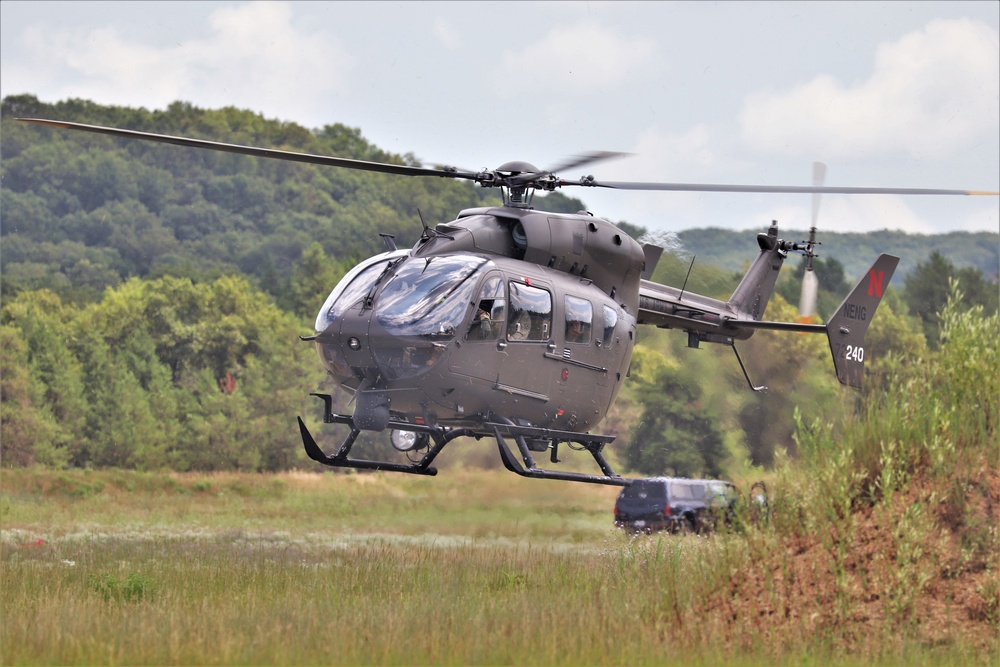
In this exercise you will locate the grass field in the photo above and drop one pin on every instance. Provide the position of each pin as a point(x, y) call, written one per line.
point(471, 567)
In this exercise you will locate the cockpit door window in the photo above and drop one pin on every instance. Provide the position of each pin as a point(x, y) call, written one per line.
point(487, 323)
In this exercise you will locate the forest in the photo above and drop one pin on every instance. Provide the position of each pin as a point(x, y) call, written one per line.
point(153, 297)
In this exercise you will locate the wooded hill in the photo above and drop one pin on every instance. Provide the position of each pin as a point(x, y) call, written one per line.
point(82, 212)
point(980, 250)
point(153, 296)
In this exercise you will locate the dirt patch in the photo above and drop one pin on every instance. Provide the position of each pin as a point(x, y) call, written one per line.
point(923, 564)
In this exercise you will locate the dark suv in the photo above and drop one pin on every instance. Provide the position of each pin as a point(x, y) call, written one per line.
point(675, 504)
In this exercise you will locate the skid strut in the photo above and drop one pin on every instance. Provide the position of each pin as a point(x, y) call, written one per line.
point(592, 443)
point(496, 427)
point(341, 459)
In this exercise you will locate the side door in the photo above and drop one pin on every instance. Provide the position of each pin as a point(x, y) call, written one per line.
point(526, 376)
point(483, 339)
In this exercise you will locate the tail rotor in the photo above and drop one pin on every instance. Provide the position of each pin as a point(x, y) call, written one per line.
point(810, 284)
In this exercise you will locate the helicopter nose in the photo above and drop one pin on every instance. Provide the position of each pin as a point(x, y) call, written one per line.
point(345, 349)
point(359, 353)
point(349, 359)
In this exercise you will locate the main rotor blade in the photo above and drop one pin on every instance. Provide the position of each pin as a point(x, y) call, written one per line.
point(328, 161)
point(484, 178)
point(585, 159)
point(782, 189)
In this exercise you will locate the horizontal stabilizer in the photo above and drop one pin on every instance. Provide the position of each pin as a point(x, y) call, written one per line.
point(846, 329)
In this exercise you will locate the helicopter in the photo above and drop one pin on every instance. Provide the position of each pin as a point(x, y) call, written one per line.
point(518, 325)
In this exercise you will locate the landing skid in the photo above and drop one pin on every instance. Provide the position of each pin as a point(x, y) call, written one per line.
point(495, 427)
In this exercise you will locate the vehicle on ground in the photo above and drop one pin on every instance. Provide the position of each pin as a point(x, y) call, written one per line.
point(676, 504)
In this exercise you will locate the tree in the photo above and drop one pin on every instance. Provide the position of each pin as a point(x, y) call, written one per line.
point(894, 342)
point(798, 372)
point(120, 423)
point(312, 280)
point(676, 435)
point(28, 429)
point(42, 320)
point(927, 291)
point(225, 365)
point(160, 373)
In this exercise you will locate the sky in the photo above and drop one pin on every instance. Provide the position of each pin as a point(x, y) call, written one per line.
point(886, 94)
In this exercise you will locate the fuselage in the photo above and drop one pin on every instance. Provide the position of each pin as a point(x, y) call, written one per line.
point(466, 324)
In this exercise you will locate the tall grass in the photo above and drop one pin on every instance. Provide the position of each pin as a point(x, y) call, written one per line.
point(901, 496)
point(250, 601)
point(932, 423)
point(180, 592)
point(939, 417)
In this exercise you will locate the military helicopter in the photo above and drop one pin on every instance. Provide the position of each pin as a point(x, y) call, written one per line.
point(518, 325)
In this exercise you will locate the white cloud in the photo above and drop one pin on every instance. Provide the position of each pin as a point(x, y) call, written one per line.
point(869, 214)
point(261, 59)
point(447, 35)
point(676, 153)
point(930, 94)
point(662, 80)
point(578, 59)
point(660, 157)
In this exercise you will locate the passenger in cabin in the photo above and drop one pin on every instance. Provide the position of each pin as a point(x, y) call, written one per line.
point(483, 327)
point(579, 319)
point(575, 332)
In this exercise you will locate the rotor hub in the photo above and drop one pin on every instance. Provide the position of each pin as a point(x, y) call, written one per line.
point(517, 167)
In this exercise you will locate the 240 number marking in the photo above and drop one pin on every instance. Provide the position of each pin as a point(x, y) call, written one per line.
point(855, 353)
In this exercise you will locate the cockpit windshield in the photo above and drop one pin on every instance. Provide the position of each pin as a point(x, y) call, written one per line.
point(429, 296)
point(353, 290)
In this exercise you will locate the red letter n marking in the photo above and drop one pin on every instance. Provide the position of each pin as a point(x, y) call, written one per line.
point(875, 280)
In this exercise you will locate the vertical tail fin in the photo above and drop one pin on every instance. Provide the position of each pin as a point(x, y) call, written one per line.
point(846, 329)
point(754, 291)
